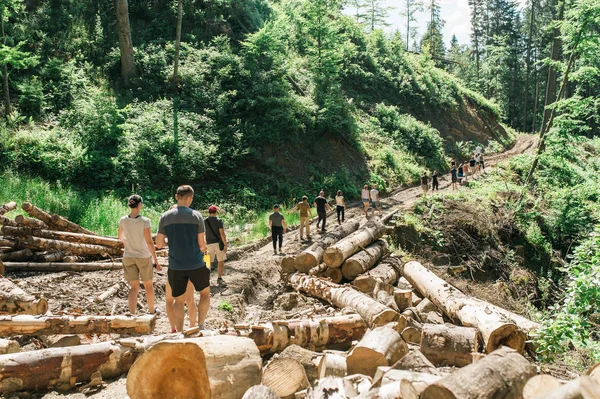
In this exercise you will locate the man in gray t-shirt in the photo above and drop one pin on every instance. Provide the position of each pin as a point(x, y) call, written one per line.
point(278, 227)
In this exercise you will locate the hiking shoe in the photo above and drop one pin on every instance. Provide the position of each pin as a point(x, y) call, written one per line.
point(221, 283)
point(156, 311)
point(274, 252)
point(173, 331)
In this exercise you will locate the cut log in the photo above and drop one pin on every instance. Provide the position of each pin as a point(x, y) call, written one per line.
point(495, 327)
point(403, 298)
point(121, 285)
point(540, 386)
point(308, 359)
point(501, 374)
point(386, 272)
point(374, 313)
point(23, 254)
point(14, 300)
point(288, 265)
point(5, 243)
point(449, 345)
point(384, 293)
point(336, 254)
point(60, 341)
point(412, 334)
point(582, 388)
point(74, 248)
point(364, 261)
point(361, 382)
point(66, 225)
point(47, 325)
point(334, 274)
point(110, 242)
point(319, 270)
point(379, 347)
point(285, 377)
point(313, 255)
point(29, 223)
point(77, 259)
point(9, 346)
point(7, 222)
point(332, 388)
point(332, 365)
point(61, 267)
point(49, 257)
point(10, 206)
point(36, 212)
point(416, 361)
point(260, 392)
point(219, 367)
point(409, 384)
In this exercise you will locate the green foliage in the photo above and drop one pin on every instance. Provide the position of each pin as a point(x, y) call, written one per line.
point(226, 306)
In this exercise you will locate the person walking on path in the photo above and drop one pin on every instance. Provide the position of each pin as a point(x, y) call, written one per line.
point(184, 229)
point(278, 227)
point(190, 301)
point(478, 150)
point(216, 241)
point(425, 183)
point(375, 200)
point(305, 215)
point(454, 177)
point(481, 162)
point(366, 199)
point(434, 181)
point(461, 172)
point(322, 206)
point(453, 163)
point(340, 206)
point(134, 233)
point(472, 166)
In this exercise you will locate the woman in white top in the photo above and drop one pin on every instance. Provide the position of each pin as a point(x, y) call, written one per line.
point(134, 233)
point(340, 205)
point(365, 198)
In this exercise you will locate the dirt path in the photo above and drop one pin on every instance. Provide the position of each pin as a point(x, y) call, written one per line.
point(255, 292)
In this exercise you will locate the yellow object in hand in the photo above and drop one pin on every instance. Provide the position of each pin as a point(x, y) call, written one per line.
point(207, 259)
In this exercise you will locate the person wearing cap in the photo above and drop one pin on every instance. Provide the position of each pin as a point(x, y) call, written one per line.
point(322, 206)
point(216, 241)
point(278, 227)
point(305, 213)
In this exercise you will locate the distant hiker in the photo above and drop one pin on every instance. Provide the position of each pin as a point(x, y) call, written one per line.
point(477, 162)
point(425, 183)
point(453, 163)
point(322, 206)
point(481, 162)
point(454, 177)
point(340, 206)
point(278, 227)
point(184, 229)
point(434, 181)
point(472, 165)
point(134, 233)
point(216, 241)
point(365, 198)
point(461, 172)
point(305, 213)
point(375, 200)
point(478, 150)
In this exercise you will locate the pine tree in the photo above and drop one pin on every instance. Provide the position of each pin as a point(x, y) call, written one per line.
point(433, 39)
point(358, 6)
point(477, 32)
point(411, 7)
point(376, 13)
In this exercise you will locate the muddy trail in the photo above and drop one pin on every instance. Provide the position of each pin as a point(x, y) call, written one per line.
point(254, 293)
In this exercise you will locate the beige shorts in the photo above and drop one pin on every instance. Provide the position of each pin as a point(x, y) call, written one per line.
point(213, 250)
point(136, 267)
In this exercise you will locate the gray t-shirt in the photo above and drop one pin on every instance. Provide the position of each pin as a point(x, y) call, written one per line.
point(135, 243)
point(276, 218)
point(182, 225)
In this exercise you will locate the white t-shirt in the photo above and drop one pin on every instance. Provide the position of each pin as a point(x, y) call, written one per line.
point(374, 195)
point(339, 200)
point(478, 150)
point(365, 194)
point(135, 243)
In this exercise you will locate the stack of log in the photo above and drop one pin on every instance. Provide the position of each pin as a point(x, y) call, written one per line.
point(50, 242)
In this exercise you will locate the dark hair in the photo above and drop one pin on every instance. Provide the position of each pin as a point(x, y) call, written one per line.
point(185, 191)
point(339, 192)
point(275, 206)
point(134, 201)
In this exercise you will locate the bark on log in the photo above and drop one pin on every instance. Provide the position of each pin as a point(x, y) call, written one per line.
point(9, 346)
point(364, 261)
point(409, 384)
point(494, 326)
point(50, 325)
point(66, 225)
point(23, 254)
point(501, 374)
point(285, 377)
point(336, 254)
point(412, 332)
point(334, 274)
point(121, 285)
point(260, 392)
point(61, 267)
point(219, 367)
point(403, 298)
point(77, 259)
point(5, 243)
point(8, 207)
point(110, 242)
point(74, 248)
point(387, 272)
point(540, 386)
point(582, 388)
point(384, 294)
point(379, 347)
point(319, 271)
point(332, 365)
point(49, 257)
point(7, 222)
point(313, 255)
point(29, 223)
point(449, 345)
point(374, 313)
point(416, 361)
point(36, 212)
point(14, 300)
point(307, 358)
point(361, 382)
point(332, 388)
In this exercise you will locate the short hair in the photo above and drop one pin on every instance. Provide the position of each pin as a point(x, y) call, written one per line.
point(339, 192)
point(185, 191)
point(134, 201)
point(304, 197)
point(321, 192)
point(276, 206)
point(366, 186)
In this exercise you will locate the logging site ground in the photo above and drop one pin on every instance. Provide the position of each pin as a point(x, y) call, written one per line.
point(256, 293)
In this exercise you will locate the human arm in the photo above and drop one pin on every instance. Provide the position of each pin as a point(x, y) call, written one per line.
point(223, 239)
point(284, 224)
point(328, 207)
point(150, 244)
point(202, 242)
point(121, 235)
point(161, 241)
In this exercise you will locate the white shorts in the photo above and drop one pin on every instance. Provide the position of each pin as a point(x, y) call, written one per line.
point(213, 250)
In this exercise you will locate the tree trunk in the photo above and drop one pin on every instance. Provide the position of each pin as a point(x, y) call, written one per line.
point(9, 346)
point(332, 365)
point(7, 106)
point(66, 225)
point(313, 255)
point(23, 254)
point(221, 367)
point(501, 374)
point(175, 78)
point(374, 313)
point(493, 324)
point(363, 261)
point(74, 248)
point(30, 223)
point(540, 386)
point(581, 388)
point(7, 243)
point(121, 285)
point(10, 206)
point(50, 257)
point(333, 388)
point(61, 267)
point(260, 392)
point(50, 325)
point(380, 347)
point(334, 274)
point(7, 222)
point(386, 272)
point(125, 44)
point(449, 345)
point(336, 254)
point(528, 67)
point(285, 376)
point(36, 212)
point(14, 300)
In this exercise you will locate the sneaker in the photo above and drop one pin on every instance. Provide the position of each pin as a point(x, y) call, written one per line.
point(274, 252)
point(201, 327)
point(156, 311)
point(221, 283)
point(173, 331)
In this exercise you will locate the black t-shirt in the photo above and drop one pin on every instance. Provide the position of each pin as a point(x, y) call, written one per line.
point(453, 172)
point(453, 164)
point(216, 224)
point(434, 177)
point(320, 201)
point(424, 180)
point(472, 162)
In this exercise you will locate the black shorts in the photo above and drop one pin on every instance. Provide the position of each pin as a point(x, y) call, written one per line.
point(178, 280)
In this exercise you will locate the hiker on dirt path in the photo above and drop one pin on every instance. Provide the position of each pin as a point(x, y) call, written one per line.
point(472, 166)
point(478, 150)
point(340, 206)
point(134, 233)
point(461, 172)
point(216, 241)
point(278, 227)
point(375, 200)
point(425, 183)
point(190, 301)
point(481, 162)
point(322, 206)
point(184, 229)
point(366, 198)
point(434, 181)
point(453, 163)
point(454, 177)
point(305, 215)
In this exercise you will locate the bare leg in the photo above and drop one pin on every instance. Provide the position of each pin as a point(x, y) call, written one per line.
point(179, 312)
point(220, 269)
point(203, 305)
point(133, 294)
point(170, 306)
point(149, 295)
point(191, 304)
